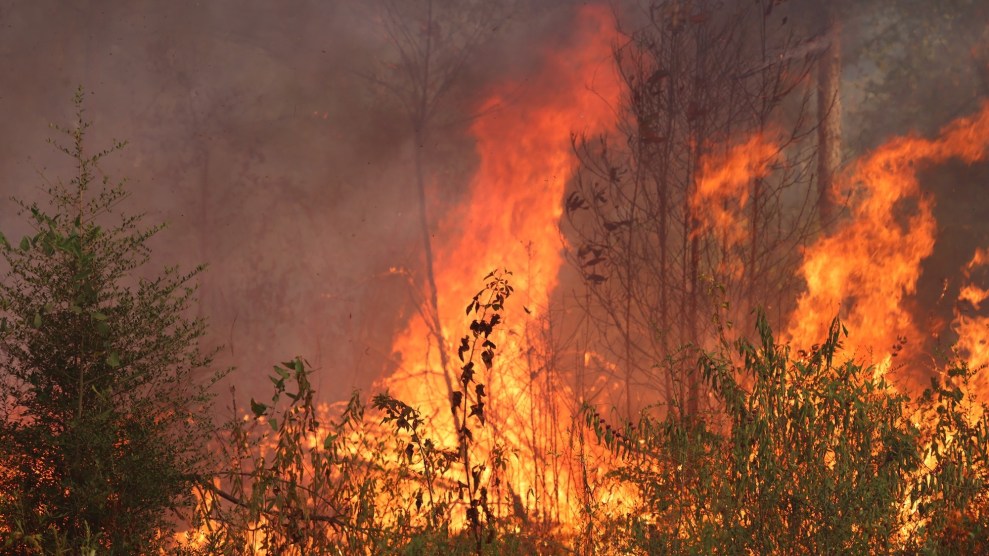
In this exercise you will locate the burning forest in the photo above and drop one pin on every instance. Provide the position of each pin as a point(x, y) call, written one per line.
point(503, 277)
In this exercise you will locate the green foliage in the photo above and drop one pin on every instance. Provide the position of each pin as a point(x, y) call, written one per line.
point(805, 456)
point(102, 417)
point(292, 483)
point(301, 482)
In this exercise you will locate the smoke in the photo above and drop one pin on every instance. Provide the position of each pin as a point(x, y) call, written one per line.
point(252, 134)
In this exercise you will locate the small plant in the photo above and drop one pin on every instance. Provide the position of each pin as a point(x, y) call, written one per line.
point(467, 404)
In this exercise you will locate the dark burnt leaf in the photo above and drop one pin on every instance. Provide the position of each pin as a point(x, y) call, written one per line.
point(467, 375)
point(457, 399)
point(612, 226)
point(488, 357)
point(478, 411)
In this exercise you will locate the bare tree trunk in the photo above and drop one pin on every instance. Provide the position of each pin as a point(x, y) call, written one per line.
point(433, 312)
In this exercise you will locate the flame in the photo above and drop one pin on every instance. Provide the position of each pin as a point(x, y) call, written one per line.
point(871, 263)
point(973, 329)
point(510, 219)
point(866, 268)
point(723, 188)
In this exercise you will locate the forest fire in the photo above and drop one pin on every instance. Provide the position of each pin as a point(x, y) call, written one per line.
point(590, 365)
point(510, 218)
point(867, 267)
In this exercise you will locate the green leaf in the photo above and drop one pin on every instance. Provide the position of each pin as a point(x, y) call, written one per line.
point(37, 320)
point(25, 244)
point(97, 315)
point(258, 408)
point(113, 359)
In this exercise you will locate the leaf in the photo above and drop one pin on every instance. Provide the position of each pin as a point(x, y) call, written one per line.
point(258, 408)
point(457, 398)
point(113, 359)
point(97, 315)
point(25, 244)
point(468, 373)
point(37, 320)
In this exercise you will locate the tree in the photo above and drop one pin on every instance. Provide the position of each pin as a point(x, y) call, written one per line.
point(662, 238)
point(432, 42)
point(101, 375)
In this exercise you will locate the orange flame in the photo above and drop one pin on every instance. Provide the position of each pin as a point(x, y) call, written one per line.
point(723, 188)
point(973, 330)
point(510, 219)
point(872, 262)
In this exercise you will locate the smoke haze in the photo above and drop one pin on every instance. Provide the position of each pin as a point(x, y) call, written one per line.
point(254, 135)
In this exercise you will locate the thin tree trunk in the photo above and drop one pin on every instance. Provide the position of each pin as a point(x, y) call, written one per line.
point(433, 313)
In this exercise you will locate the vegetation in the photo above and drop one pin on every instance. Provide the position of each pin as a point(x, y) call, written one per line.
point(806, 454)
point(106, 445)
point(100, 374)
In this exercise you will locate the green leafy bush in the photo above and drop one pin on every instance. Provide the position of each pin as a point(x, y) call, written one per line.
point(101, 377)
point(803, 455)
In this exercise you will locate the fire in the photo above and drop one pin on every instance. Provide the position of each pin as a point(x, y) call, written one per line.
point(867, 267)
point(973, 329)
point(864, 270)
point(510, 219)
point(723, 188)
